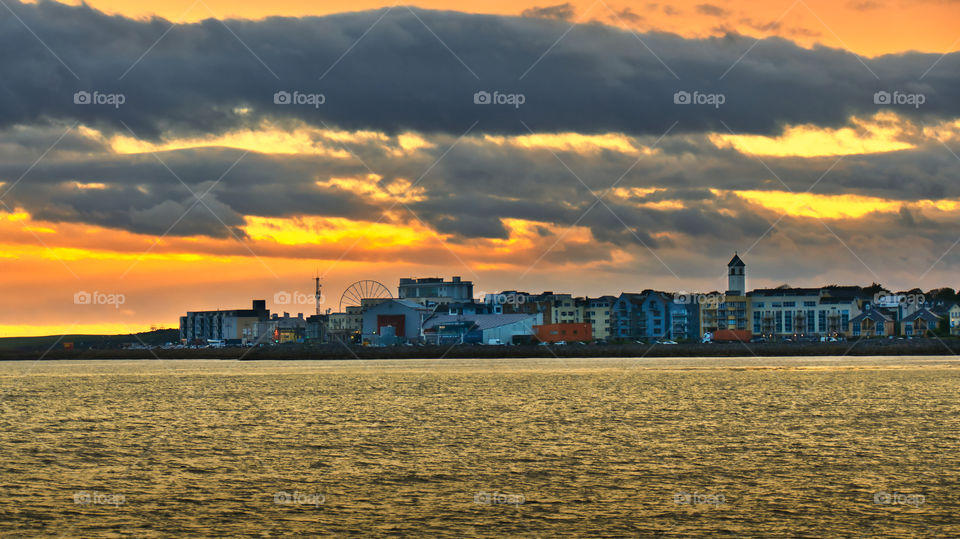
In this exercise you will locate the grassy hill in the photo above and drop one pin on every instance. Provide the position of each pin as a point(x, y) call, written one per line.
point(83, 342)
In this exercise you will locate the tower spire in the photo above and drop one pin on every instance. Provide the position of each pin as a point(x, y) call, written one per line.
point(736, 276)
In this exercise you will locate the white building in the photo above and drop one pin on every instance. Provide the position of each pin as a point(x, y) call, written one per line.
point(786, 311)
point(482, 328)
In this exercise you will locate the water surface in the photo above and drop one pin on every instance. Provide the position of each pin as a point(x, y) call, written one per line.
point(745, 447)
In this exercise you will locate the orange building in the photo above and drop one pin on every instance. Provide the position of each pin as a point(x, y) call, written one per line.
point(579, 331)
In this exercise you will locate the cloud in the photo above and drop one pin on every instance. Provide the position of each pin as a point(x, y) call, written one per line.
point(563, 12)
point(463, 188)
point(397, 104)
point(399, 74)
point(865, 5)
point(712, 10)
point(627, 14)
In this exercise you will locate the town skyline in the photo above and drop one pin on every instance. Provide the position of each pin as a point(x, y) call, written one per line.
point(302, 295)
point(436, 311)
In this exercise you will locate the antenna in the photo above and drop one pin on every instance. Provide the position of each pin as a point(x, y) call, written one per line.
point(317, 295)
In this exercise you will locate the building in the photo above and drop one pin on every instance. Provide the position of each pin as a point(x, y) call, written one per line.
point(566, 309)
point(900, 305)
point(464, 308)
point(650, 315)
point(952, 314)
point(625, 316)
point(730, 310)
point(281, 329)
point(435, 290)
point(481, 328)
point(394, 321)
point(233, 327)
point(317, 325)
point(724, 311)
point(920, 323)
point(661, 317)
point(736, 276)
point(872, 323)
point(692, 304)
point(596, 312)
point(345, 327)
point(510, 302)
point(799, 312)
point(573, 332)
point(838, 305)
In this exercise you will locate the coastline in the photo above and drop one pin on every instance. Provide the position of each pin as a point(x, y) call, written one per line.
point(864, 347)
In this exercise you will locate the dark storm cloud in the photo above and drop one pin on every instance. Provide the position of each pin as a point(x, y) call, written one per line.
point(466, 193)
point(385, 70)
point(142, 195)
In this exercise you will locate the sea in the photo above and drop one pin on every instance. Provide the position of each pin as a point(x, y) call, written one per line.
point(648, 447)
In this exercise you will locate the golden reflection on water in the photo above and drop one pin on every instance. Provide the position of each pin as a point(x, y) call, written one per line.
point(825, 447)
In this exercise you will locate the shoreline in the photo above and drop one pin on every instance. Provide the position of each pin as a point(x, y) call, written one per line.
point(865, 347)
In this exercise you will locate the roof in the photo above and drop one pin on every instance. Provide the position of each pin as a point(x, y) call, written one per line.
point(842, 300)
point(402, 302)
point(944, 308)
point(921, 313)
point(250, 313)
point(872, 314)
point(735, 261)
point(846, 291)
point(780, 292)
point(482, 321)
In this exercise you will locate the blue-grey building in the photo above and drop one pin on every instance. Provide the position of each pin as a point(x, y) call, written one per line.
point(650, 315)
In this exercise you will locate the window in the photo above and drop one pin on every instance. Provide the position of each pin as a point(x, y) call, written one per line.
point(758, 305)
point(776, 305)
point(844, 318)
point(779, 318)
point(880, 328)
point(810, 328)
point(856, 328)
point(789, 303)
point(756, 324)
point(823, 321)
point(788, 322)
point(809, 303)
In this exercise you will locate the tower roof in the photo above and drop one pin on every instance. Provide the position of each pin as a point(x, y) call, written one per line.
point(736, 262)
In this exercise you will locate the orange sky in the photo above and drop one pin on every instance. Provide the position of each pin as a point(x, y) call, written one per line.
point(44, 264)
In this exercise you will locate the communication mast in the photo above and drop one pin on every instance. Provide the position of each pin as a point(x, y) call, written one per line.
point(317, 295)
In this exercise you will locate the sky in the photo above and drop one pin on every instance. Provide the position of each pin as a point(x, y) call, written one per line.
point(170, 156)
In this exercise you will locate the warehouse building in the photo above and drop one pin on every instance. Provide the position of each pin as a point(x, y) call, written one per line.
point(230, 328)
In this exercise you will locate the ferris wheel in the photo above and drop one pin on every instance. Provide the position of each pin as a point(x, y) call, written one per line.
point(361, 290)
